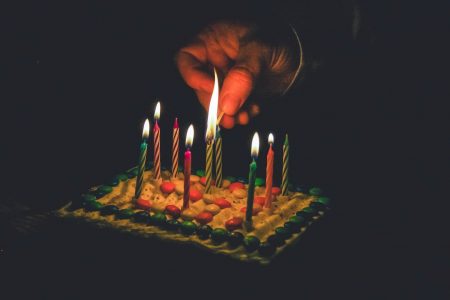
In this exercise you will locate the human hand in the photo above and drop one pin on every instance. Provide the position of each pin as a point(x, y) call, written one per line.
point(248, 61)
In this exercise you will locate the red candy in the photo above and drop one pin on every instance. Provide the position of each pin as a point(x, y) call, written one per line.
point(256, 209)
point(167, 187)
point(276, 191)
point(236, 185)
point(195, 195)
point(173, 211)
point(204, 217)
point(144, 204)
point(222, 203)
point(233, 224)
point(203, 181)
point(260, 200)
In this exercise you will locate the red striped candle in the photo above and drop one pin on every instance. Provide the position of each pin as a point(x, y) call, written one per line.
point(157, 145)
point(187, 166)
point(175, 147)
point(269, 173)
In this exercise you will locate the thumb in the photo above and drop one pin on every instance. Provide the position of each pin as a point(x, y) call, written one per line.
point(240, 80)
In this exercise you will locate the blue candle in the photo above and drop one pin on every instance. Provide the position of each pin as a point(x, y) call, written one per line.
point(252, 178)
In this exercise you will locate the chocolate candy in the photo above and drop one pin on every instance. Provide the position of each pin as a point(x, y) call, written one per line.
point(141, 217)
point(143, 204)
point(315, 191)
point(324, 200)
point(235, 239)
point(204, 217)
point(275, 240)
point(114, 182)
point(88, 198)
point(200, 173)
point(195, 195)
point(93, 206)
point(219, 235)
point(172, 224)
point(222, 203)
point(276, 191)
point(259, 181)
point(203, 232)
point(256, 209)
point(251, 243)
point(188, 227)
point(292, 227)
point(203, 181)
point(282, 232)
point(105, 189)
point(307, 213)
point(236, 185)
point(132, 173)
point(108, 210)
point(173, 211)
point(233, 223)
point(259, 200)
point(122, 177)
point(167, 187)
point(266, 249)
point(124, 214)
point(158, 219)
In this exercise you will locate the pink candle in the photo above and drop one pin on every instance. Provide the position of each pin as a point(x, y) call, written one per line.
point(269, 174)
point(157, 146)
point(175, 143)
point(187, 166)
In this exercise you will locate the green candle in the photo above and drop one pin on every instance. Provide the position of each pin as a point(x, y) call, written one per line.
point(285, 174)
point(252, 178)
point(142, 160)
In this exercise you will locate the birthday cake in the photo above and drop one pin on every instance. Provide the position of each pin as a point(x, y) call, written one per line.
point(213, 221)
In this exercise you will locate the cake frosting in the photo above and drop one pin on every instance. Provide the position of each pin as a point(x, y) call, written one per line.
point(214, 221)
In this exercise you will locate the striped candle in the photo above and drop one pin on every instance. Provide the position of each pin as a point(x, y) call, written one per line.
point(269, 173)
point(157, 146)
point(142, 160)
point(209, 163)
point(285, 177)
point(175, 148)
point(218, 145)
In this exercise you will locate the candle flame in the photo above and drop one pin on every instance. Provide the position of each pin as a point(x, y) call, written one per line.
point(270, 138)
point(190, 136)
point(146, 129)
point(255, 145)
point(157, 111)
point(212, 112)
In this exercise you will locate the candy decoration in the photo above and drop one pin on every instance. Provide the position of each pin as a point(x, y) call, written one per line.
point(175, 148)
point(93, 206)
point(236, 185)
point(158, 219)
point(204, 217)
point(256, 210)
point(251, 243)
point(285, 174)
point(222, 203)
point(218, 144)
point(276, 191)
point(269, 173)
point(235, 239)
point(167, 187)
point(172, 224)
point(233, 223)
point(142, 160)
point(260, 200)
point(259, 181)
point(141, 217)
point(188, 227)
point(143, 204)
point(219, 235)
point(266, 249)
point(124, 214)
point(203, 181)
point(204, 232)
point(157, 145)
point(195, 195)
point(108, 210)
point(315, 191)
point(173, 211)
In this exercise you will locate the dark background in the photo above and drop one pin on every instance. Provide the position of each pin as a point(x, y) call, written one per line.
point(78, 81)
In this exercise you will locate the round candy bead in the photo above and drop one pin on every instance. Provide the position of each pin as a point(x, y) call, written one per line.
point(276, 191)
point(108, 210)
point(251, 243)
point(307, 212)
point(203, 232)
point(282, 232)
point(98, 194)
point(259, 200)
point(292, 227)
point(114, 182)
point(236, 185)
point(275, 240)
point(200, 173)
point(172, 210)
point(233, 223)
point(188, 214)
point(297, 220)
point(195, 195)
point(188, 227)
point(222, 203)
point(235, 239)
point(315, 191)
point(259, 181)
point(88, 197)
point(158, 218)
point(122, 177)
point(266, 249)
point(132, 173)
point(203, 181)
point(124, 214)
point(204, 217)
point(105, 188)
point(239, 193)
point(167, 187)
point(226, 183)
point(219, 235)
point(141, 217)
point(324, 200)
point(317, 206)
point(231, 178)
point(212, 208)
point(143, 204)
point(93, 206)
point(194, 179)
point(172, 224)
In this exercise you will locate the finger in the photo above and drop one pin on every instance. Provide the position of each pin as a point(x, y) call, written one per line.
point(227, 122)
point(191, 62)
point(240, 80)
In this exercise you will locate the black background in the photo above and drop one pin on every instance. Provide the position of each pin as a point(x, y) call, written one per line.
point(80, 78)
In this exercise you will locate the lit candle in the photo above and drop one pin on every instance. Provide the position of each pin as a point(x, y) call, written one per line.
point(142, 159)
point(187, 166)
point(252, 178)
point(211, 132)
point(156, 141)
point(175, 146)
point(218, 144)
point(285, 178)
point(269, 173)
